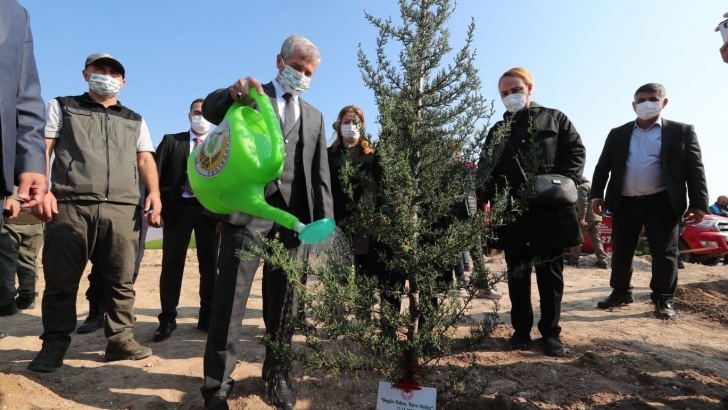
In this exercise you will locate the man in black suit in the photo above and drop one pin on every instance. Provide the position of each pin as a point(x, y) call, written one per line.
point(303, 189)
point(182, 214)
point(22, 114)
point(652, 165)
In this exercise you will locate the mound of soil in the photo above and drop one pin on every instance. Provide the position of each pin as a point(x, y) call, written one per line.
point(622, 358)
point(709, 299)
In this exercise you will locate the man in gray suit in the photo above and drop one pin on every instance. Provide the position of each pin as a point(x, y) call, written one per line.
point(303, 189)
point(22, 113)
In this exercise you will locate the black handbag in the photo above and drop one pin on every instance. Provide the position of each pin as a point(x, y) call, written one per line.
point(550, 191)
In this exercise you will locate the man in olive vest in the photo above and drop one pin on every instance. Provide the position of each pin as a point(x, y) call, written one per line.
point(101, 150)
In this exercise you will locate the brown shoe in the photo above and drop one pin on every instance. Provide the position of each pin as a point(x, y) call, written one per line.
point(127, 350)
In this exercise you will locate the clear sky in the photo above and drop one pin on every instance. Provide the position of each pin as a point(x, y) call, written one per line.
point(587, 57)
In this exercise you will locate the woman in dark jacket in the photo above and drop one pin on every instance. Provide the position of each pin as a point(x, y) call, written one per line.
point(350, 146)
point(538, 236)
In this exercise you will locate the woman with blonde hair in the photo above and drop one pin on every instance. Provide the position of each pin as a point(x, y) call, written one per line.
point(539, 234)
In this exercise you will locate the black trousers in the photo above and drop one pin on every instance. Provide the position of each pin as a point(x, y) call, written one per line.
point(655, 213)
point(95, 291)
point(177, 233)
point(549, 265)
point(232, 290)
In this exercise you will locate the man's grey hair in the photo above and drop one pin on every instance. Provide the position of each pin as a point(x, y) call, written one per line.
point(303, 45)
point(652, 88)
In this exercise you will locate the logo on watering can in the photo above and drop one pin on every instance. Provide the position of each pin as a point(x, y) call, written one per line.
point(214, 152)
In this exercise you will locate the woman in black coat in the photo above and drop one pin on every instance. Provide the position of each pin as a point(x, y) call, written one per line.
point(538, 236)
point(350, 146)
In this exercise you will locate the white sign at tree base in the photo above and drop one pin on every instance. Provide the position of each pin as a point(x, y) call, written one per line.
point(392, 398)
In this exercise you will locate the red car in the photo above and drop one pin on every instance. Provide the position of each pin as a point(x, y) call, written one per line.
point(704, 243)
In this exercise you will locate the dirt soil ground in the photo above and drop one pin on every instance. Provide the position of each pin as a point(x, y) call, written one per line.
point(622, 359)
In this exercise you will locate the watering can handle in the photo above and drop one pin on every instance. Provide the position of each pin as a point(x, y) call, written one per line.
point(268, 113)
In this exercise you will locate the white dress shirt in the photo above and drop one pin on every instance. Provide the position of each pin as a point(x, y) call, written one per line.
point(643, 173)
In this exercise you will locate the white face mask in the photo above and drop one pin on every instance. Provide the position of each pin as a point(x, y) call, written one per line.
point(104, 85)
point(199, 124)
point(515, 102)
point(350, 131)
point(294, 82)
point(648, 109)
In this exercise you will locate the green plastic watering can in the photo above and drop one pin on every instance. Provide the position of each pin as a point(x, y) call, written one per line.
point(231, 168)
